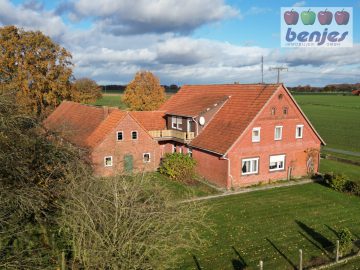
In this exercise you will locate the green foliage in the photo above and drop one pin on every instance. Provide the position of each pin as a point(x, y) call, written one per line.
point(353, 187)
point(178, 167)
point(345, 239)
point(338, 182)
point(85, 90)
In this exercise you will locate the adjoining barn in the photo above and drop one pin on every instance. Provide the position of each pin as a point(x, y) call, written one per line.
point(239, 134)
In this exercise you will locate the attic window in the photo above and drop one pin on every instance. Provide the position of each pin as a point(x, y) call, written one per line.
point(285, 110)
point(134, 135)
point(119, 136)
point(273, 111)
point(280, 96)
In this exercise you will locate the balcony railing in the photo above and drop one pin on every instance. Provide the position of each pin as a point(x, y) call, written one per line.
point(172, 134)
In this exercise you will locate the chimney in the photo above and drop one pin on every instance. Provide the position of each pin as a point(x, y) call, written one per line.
point(106, 111)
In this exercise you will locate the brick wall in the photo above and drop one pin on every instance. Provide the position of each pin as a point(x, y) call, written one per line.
point(118, 149)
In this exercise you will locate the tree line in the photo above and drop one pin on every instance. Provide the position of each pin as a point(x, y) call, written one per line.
point(344, 87)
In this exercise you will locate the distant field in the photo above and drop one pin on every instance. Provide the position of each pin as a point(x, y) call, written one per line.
point(273, 225)
point(351, 171)
point(336, 118)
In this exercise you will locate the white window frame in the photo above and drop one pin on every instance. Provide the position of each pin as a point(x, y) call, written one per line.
point(117, 136)
point(180, 150)
point(111, 161)
point(251, 165)
point(178, 123)
point(301, 127)
point(277, 159)
point(281, 130)
point(137, 135)
point(188, 125)
point(144, 157)
point(253, 138)
point(174, 148)
point(189, 151)
point(173, 122)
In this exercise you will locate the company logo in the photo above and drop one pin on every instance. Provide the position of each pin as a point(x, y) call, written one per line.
point(316, 27)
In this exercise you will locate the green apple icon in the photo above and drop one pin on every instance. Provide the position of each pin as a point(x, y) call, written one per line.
point(308, 17)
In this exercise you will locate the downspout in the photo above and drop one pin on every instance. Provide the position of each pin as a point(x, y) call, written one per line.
point(229, 171)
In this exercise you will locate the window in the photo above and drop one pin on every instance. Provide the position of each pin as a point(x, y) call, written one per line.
point(273, 111)
point(188, 125)
point(108, 161)
point(180, 150)
point(277, 163)
point(278, 133)
point(174, 148)
point(146, 157)
point(189, 152)
point(173, 122)
point(285, 110)
point(134, 135)
point(249, 166)
point(119, 136)
point(176, 122)
point(299, 131)
point(256, 134)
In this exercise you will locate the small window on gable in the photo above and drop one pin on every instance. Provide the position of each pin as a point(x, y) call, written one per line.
point(285, 110)
point(256, 134)
point(299, 131)
point(134, 135)
point(278, 133)
point(119, 136)
point(280, 96)
point(146, 157)
point(108, 161)
point(273, 111)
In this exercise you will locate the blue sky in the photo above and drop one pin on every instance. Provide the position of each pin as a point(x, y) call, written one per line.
point(184, 42)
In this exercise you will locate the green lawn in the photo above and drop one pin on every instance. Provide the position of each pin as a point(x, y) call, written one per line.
point(352, 171)
point(273, 225)
point(111, 100)
point(336, 118)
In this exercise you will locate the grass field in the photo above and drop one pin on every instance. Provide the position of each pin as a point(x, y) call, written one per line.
point(352, 171)
point(273, 225)
point(336, 118)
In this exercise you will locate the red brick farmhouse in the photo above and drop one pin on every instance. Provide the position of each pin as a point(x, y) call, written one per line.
point(239, 134)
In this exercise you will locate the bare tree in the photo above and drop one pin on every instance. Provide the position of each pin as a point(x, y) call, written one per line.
point(119, 223)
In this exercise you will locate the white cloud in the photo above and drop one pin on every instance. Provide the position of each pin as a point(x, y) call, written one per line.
point(32, 19)
point(299, 4)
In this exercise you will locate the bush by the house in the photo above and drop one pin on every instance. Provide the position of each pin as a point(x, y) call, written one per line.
point(341, 183)
point(338, 182)
point(345, 239)
point(178, 166)
point(353, 187)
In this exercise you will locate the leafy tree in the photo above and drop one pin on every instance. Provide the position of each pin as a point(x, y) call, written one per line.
point(178, 166)
point(35, 68)
point(85, 90)
point(144, 93)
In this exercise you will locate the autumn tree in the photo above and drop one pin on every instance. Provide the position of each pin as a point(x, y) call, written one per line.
point(144, 93)
point(85, 90)
point(35, 68)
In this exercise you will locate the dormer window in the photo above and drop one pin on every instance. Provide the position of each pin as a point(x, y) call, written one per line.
point(256, 134)
point(176, 122)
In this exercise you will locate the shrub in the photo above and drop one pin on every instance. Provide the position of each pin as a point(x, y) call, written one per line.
point(353, 187)
point(178, 166)
point(345, 239)
point(338, 182)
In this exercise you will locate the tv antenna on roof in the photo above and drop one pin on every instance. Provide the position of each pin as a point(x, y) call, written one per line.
point(279, 69)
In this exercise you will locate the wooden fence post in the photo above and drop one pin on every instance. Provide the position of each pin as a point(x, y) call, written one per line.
point(261, 264)
point(63, 260)
point(300, 259)
point(337, 250)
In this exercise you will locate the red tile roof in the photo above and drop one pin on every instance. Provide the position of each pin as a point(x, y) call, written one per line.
point(236, 114)
point(86, 125)
point(75, 122)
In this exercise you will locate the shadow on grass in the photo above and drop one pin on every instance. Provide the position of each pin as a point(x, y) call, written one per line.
point(281, 253)
point(238, 264)
point(316, 245)
point(198, 266)
point(332, 230)
point(325, 243)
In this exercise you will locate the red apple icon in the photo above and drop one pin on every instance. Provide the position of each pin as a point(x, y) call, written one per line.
point(291, 17)
point(342, 17)
point(325, 17)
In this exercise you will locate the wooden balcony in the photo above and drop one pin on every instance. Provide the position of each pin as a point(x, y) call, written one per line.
point(170, 134)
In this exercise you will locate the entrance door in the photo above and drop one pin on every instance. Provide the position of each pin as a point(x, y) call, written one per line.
point(128, 163)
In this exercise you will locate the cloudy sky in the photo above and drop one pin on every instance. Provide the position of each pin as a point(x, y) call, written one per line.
point(184, 41)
